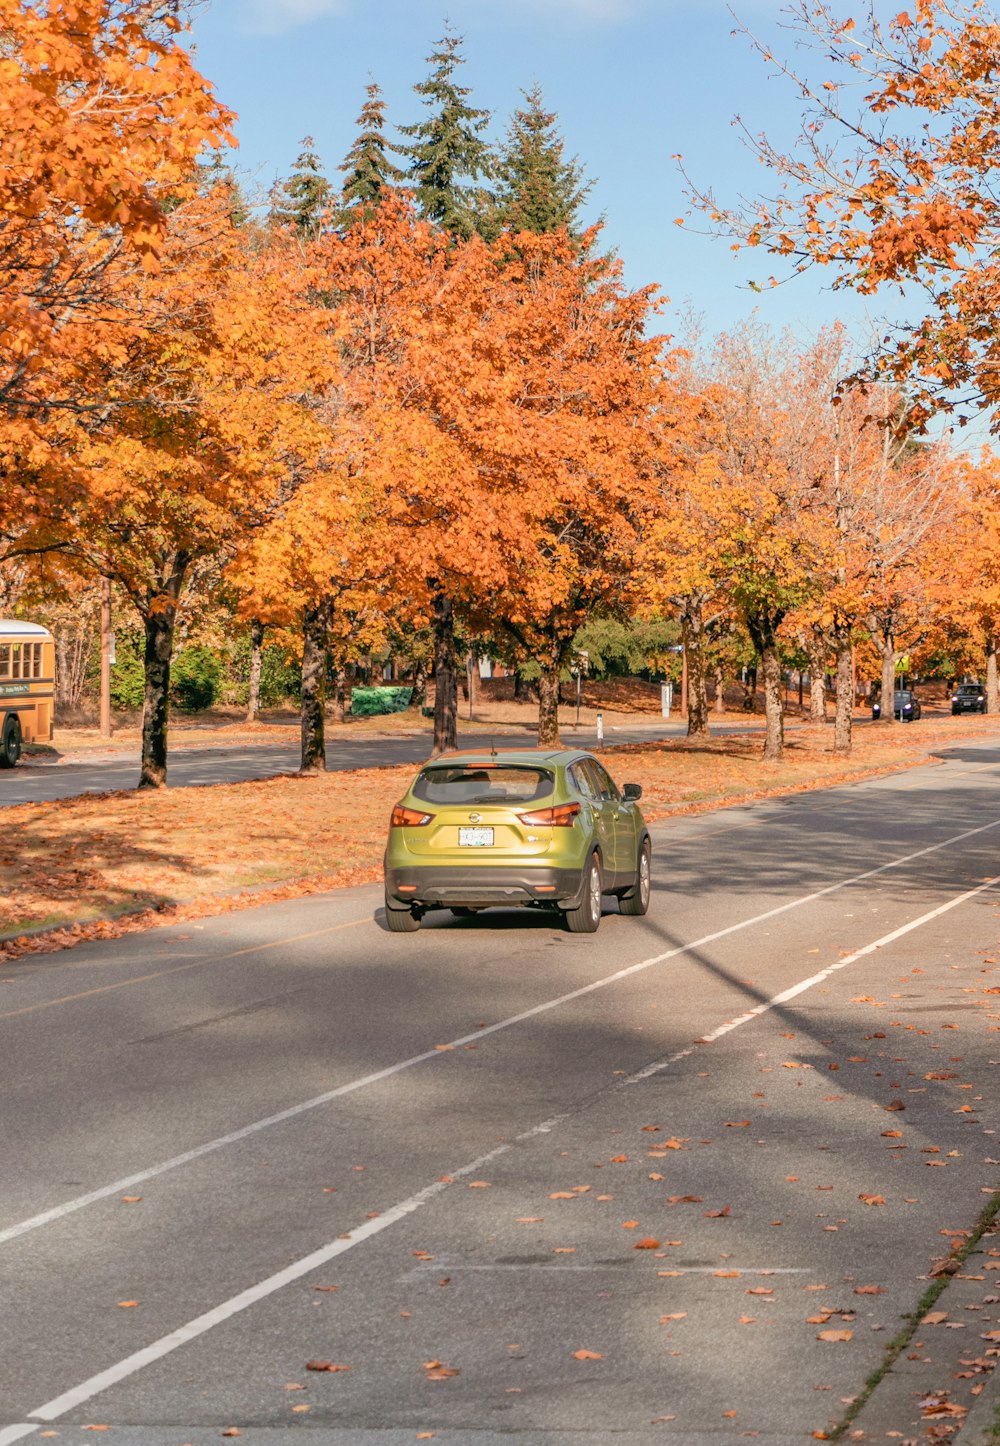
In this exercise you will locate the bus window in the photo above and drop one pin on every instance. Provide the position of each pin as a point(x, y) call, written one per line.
point(36, 660)
point(4, 660)
point(16, 660)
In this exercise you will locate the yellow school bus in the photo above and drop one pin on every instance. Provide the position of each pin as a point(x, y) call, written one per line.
point(27, 687)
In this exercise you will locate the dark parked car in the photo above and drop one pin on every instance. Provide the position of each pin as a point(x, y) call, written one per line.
point(968, 698)
point(905, 705)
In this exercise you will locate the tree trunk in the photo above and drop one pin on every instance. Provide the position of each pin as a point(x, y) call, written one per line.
point(160, 619)
point(845, 691)
point(816, 647)
point(693, 640)
point(763, 629)
point(445, 678)
point(314, 634)
point(525, 691)
point(887, 648)
point(720, 689)
point(992, 703)
point(548, 705)
point(774, 713)
point(749, 684)
point(472, 673)
point(418, 695)
point(256, 650)
point(340, 695)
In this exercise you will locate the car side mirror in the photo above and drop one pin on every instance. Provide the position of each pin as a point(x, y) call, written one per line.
point(631, 792)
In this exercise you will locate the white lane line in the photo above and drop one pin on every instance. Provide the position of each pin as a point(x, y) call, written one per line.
point(167, 1344)
point(197, 1327)
point(10, 1434)
point(811, 982)
point(59, 1212)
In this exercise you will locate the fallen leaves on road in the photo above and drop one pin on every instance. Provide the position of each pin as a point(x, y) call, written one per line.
point(329, 1366)
point(438, 1371)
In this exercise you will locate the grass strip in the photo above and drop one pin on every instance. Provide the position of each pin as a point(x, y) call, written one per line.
point(986, 1221)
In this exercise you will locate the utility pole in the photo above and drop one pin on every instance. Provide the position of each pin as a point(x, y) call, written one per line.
point(105, 723)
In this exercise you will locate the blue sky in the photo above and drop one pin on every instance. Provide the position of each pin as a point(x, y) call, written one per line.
point(633, 83)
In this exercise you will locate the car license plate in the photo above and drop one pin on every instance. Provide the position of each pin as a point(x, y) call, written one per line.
point(475, 838)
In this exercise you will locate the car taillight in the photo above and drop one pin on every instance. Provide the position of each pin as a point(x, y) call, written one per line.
point(408, 817)
point(561, 816)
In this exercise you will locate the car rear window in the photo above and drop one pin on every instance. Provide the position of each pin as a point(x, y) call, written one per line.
point(482, 783)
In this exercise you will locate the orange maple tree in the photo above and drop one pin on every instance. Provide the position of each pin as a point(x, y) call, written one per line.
point(572, 447)
point(893, 184)
point(965, 585)
point(103, 115)
point(207, 426)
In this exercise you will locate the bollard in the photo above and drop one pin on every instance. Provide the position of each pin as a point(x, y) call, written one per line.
point(600, 727)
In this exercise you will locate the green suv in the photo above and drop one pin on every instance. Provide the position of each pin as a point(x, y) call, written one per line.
point(521, 828)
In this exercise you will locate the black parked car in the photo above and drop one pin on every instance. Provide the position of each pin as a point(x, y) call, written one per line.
point(968, 698)
point(905, 705)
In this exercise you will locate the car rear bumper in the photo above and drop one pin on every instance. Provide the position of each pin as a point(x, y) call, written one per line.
point(444, 885)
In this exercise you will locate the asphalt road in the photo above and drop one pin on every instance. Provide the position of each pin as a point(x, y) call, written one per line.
point(35, 780)
point(510, 1183)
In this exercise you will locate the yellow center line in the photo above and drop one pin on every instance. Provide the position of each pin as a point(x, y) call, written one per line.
point(180, 969)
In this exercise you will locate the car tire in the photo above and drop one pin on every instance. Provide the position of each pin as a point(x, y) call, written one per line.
point(636, 902)
point(401, 921)
point(10, 744)
point(586, 917)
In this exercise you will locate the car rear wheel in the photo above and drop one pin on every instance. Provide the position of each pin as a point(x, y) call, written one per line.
point(637, 902)
point(585, 918)
point(401, 921)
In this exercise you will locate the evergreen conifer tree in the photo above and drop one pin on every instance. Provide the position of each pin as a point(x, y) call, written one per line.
point(367, 166)
point(215, 172)
point(538, 189)
point(447, 153)
point(303, 199)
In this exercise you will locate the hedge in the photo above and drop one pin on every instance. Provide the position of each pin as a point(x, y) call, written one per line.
point(367, 702)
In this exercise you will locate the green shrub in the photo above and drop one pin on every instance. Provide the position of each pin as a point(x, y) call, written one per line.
point(368, 702)
point(128, 680)
point(280, 677)
point(195, 675)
